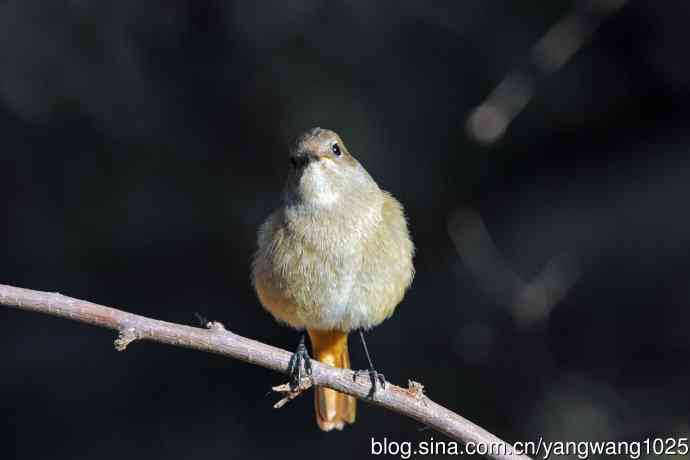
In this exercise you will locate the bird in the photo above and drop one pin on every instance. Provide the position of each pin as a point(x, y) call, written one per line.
point(335, 257)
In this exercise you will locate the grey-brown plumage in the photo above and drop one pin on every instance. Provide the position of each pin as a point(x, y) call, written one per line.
point(336, 256)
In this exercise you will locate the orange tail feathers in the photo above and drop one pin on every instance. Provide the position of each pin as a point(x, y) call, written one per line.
point(333, 409)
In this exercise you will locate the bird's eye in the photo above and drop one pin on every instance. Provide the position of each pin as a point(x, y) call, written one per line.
point(335, 148)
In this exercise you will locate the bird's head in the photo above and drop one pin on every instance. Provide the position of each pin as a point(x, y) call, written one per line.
point(324, 173)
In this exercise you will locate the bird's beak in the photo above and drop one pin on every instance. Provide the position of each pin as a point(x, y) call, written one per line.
point(301, 159)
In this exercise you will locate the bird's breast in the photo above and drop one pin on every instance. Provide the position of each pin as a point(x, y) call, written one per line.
point(329, 271)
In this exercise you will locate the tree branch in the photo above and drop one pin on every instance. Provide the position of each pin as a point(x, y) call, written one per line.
point(215, 339)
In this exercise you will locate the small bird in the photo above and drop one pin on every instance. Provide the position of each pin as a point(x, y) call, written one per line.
point(335, 257)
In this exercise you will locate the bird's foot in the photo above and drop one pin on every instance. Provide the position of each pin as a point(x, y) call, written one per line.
point(375, 377)
point(299, 365)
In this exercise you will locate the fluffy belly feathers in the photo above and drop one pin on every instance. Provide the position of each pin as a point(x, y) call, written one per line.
point(319, 284)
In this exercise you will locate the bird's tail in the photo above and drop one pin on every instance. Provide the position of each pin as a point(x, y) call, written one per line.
point(333, 409)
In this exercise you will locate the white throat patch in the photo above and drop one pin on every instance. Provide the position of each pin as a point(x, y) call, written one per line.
point(318, 188)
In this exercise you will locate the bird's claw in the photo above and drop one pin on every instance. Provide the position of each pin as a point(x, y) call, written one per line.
point(299, 365)
point(375, 377)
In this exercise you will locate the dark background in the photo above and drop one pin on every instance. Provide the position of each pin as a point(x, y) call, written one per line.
point(142, 144)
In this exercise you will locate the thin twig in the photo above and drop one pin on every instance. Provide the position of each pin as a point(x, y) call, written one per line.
point(215, 339)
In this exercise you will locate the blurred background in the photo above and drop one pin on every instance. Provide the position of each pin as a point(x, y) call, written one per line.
point(144, 142)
